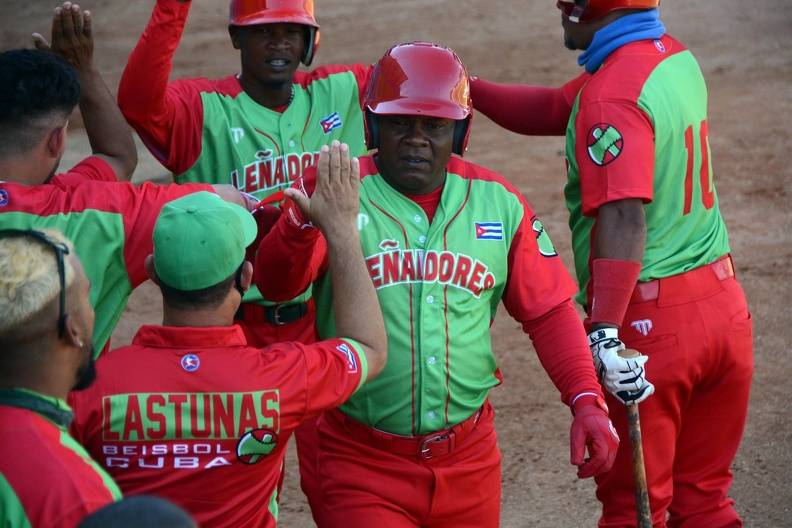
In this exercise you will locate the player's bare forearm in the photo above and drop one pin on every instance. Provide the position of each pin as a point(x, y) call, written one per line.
point(619, 239)
point(620, 231)
point(355, 303)
point(107, 131)
point(334, 206)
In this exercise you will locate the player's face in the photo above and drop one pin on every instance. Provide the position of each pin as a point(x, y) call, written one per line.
point(577, 35)
point(413, 151)
point(270, 53)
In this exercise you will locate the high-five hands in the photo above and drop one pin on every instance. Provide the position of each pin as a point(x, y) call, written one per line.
point(334, 203)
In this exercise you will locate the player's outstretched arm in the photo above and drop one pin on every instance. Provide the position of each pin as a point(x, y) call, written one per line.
point(153, 110)
point(525, 109)
point(334, 206)
point(110, 137)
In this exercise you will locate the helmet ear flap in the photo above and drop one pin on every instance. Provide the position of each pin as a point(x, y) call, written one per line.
point(311, 44)
point(461, 135)
point(372, 130)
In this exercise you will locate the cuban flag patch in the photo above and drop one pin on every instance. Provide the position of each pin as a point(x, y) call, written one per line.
point(331, 122)
point(350, 357)
point(489, 230)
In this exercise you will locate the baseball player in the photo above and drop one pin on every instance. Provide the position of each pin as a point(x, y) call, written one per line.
point(651, 253)
point(110, 223)
point(46, 478)
point(258, 130)
point(190, 411)
point(445, 241)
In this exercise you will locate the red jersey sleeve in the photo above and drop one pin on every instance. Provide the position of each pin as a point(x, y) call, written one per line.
point(537, 279)
point(168, 117)
point(615, 153)
point(92, 168)
point(529, 110)
point(290, 258)
point(335, 369)
point(141, 207)
point(562, 348)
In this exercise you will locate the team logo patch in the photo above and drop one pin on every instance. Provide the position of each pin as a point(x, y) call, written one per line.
point(3, 197)
point(660, 46)
point(489, 230)
point(389, 244)
point(190, 362)
point(546, 248)
point(642, 326)
point(350, 356)
point(605, 143)
point(331, 122)
point(256, 444)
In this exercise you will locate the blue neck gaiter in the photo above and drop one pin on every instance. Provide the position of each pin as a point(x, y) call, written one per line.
point(637, 26)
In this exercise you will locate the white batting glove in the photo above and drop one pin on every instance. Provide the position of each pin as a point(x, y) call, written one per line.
point(625, 378)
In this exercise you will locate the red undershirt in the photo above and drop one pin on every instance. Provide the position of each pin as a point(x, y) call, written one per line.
point(428, 202)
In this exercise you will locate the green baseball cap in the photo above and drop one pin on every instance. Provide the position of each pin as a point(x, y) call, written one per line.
point(200, 240)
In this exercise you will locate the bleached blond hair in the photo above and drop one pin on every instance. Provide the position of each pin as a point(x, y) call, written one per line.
point(29, 276)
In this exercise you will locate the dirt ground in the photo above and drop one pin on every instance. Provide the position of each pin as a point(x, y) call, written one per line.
point(741, 48)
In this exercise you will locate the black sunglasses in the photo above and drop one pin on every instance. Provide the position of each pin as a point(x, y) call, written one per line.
point(60, 250)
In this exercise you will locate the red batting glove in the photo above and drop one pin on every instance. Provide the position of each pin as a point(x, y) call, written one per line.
point(592, 430)
point(265, 217)
point(306, 185)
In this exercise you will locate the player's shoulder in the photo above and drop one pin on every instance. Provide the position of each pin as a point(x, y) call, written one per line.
point(332, 73)
point(489, 186)
point(478, 173)
point(225, 86)
point(61, 196)
point(625, 72)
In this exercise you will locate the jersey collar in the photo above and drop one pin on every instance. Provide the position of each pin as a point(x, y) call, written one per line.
point(189, 336)
point(54, 409)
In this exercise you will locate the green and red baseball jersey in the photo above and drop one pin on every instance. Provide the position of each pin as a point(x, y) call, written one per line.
point(197, 416)
point(211, 131)
point(627, 138)
point(439, 284)
point(110, 225)
point(46, 478)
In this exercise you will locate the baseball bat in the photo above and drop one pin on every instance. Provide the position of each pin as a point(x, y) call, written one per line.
point(642, 510)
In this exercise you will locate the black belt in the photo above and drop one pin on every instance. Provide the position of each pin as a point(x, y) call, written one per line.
point(278, 315)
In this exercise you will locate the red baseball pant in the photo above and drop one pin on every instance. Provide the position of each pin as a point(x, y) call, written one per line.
point(363, 486)
point(697, 334)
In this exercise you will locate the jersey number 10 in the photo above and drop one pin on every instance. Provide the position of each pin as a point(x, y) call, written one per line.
point(707, 194)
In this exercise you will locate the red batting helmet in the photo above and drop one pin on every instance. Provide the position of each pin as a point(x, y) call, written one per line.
point(420, 79)
point(253, 12)
point(588, 10)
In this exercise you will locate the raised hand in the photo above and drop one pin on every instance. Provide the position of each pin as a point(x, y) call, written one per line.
point(72, 38)
point(334, 204)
